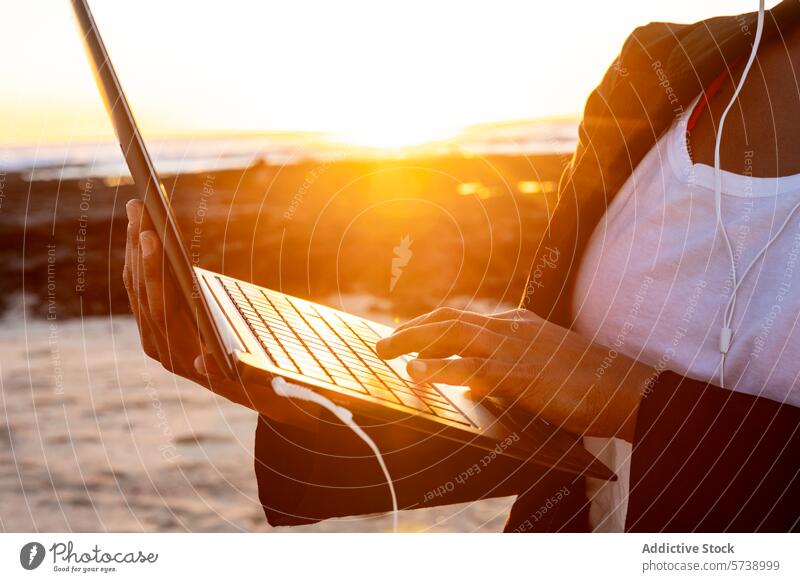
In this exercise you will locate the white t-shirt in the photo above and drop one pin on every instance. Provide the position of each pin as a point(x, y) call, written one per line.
point(656, 277)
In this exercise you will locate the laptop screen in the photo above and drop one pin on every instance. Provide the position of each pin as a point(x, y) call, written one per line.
point(145, 177)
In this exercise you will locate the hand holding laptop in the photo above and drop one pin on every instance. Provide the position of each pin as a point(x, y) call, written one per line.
point(169, 335)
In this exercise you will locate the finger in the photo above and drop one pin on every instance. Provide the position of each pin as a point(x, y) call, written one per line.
point(149, 343)
point(207, 367)
point(176, 334)
point(151, 280)
point(441, 340)
point(208, 373)
point(484, 376)
point(152, 276)
point(456, 372)
point(441, 314)
point(136, 267)
point(516, 323)
point(520, 323)
point(133, 210)
point(149, 336)
point(511, 328)
point(511, 314)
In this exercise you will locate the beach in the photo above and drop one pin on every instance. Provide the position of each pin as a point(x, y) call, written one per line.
point(95, 436)
point(98, 437)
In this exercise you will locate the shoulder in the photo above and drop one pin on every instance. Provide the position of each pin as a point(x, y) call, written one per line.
point(646, 48)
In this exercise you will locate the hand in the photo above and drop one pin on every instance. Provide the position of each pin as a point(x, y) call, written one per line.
point(525, 360)
point(170, 335)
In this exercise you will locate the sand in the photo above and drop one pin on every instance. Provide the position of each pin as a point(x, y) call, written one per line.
point(94, 436)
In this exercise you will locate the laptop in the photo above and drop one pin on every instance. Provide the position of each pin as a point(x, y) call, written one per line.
point(256, 334)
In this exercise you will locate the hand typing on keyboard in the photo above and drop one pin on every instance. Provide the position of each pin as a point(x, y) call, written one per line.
point(168, 332)
point(332, 347)
point(524, 360)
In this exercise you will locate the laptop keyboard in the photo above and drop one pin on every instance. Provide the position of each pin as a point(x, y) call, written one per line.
point(324, 344)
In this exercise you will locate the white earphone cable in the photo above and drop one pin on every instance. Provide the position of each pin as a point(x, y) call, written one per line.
point(287, 390)
point(726, 334)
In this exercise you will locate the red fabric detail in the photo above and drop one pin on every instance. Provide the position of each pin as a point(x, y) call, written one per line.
point(701, 106)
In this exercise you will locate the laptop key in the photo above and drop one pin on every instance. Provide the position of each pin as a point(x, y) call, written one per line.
point(454, 416)
point(381, 392)
point(412, 401)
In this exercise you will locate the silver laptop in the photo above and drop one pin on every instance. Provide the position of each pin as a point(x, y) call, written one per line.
point(256, 334)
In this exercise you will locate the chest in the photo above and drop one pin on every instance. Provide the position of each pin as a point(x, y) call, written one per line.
point(654, 280)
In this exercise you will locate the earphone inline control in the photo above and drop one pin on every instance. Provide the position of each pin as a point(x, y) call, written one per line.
point(727, 333)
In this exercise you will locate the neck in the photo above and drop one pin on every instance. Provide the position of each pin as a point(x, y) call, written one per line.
point(761, 132)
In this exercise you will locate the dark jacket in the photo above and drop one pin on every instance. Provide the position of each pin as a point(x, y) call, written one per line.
point(704, 458)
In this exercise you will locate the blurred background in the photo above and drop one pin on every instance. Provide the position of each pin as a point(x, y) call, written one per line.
point(307, 147)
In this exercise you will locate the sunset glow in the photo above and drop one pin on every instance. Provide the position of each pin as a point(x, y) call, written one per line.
point(384, 74)
point(391, 136)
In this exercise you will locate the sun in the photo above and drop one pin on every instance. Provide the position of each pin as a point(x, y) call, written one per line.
point(385, 137)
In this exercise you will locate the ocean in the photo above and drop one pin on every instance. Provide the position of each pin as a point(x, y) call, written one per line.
point(181, 155)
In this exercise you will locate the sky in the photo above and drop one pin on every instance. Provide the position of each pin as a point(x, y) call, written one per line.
point(373, 72)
